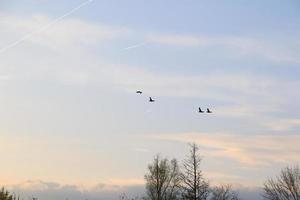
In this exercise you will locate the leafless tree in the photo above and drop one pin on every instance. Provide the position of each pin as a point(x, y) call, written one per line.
point(125, 197)
point(224, 192)
point(162, 179)
point(286, 186)
point(194, 186)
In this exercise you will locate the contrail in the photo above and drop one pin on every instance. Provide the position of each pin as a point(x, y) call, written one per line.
point(134, 46)
point(43, 28)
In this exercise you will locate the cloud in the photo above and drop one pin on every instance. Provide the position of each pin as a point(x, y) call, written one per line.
point(219, 85)
point(248, 150)
point(134, 46)
point(45, 27)
point(238, 46)
point(59, 36)
point(31, 185)
point(67, 59)
point(126, 182)
point(74, 32)
point(62, 55)
point(283, 124)
point(141, 149)
point(51, 190)
point(246, 110)
point(216, 178)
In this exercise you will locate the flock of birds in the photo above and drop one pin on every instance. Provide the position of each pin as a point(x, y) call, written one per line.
point(152, 100)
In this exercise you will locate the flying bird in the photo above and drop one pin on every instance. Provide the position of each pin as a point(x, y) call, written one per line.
point(139, 92)
point(200, 111)
point(151, 100)
point(208, 111)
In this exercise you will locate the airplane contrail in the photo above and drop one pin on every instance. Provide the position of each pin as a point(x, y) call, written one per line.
point(43, 28)
point(134, 46)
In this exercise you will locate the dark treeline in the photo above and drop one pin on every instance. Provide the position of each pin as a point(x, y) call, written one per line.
point(167, 180)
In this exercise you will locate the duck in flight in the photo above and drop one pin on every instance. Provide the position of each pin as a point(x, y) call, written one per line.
point(139, 92)
point(200, 111)
point(208, 111)
point(151, 100)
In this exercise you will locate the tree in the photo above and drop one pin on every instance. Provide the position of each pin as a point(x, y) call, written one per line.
point(286, 186)
point(125, 197)
point(5, 195)
point(194, 186)
point(162, 179)
point(224, 192)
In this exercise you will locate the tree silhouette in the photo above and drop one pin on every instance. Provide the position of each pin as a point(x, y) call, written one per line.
point(5, 195)
point(286, 186)
point(223, 192)
point(162, 179)
point(194, 186)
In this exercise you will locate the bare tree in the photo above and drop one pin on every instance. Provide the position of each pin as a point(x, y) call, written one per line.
point(224, 192)
point(286, 186)
point(125, 197)
point(194, 186)
point(163, 179)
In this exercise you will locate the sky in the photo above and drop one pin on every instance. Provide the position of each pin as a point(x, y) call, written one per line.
point(71, 122)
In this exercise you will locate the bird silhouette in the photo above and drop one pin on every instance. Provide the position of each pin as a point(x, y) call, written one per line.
point(151, 100)
point(200, 111)
point(139, 92)
point(208, 111)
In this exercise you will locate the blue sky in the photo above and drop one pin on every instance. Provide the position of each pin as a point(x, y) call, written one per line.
point(70, 115)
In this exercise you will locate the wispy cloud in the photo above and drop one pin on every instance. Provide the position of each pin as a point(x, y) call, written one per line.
point(57, 33)
point(283, 124)
point(44, 27)
point(141, 149)
point(249, 150)
point(135, 46)
point(126, 182)
point(41, 29)
point(239, 46)
point(221, 177)
point(66, 58)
